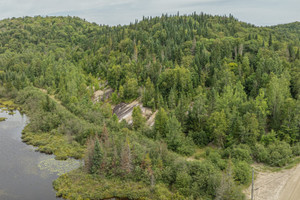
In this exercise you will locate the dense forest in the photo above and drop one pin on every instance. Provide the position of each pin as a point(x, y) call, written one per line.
point(226, 95)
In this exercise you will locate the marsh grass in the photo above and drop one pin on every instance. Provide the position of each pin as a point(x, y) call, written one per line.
point(2, 119)
point(77, 185)
point(56, 144)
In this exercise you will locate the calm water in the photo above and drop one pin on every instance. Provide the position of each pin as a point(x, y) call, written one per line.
point(24, 173)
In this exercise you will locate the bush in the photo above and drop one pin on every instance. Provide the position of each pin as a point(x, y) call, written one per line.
point(183, 183)
point(260, 153)
point(241, 154)
point(296, 149)
point(279, 154)
point(242, 172)
point(206, 179)
point(216, 159)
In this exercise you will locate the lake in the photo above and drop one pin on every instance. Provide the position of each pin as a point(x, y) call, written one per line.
point(24, 173)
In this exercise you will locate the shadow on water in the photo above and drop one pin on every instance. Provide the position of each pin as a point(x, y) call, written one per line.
point(24, 173)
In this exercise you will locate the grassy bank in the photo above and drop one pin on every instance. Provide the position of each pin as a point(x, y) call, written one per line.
point(47, 128)
point(79, 185)
point(9, 106)
point(54, 143)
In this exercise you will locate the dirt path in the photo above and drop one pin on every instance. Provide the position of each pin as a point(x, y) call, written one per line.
point(291, 190)
point(283, 185)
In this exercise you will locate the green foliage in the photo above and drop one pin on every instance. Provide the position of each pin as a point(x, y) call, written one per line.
point(218, 125)
point(161, 119)
point(173, 133)
point(214, 80)
point(149, 94)
point(296, 149)
point(279, 154)
point(241, 153)
point(242, 172)
point(183, 183)
point(278, 91)
point(97, 158)
point(131, 89)
point(260, 153)
point(138, 121)
point(57, 144)
point(77, 185)
point(216, 159)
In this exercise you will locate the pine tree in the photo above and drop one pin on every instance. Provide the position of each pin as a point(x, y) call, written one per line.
point(121, 92)
point(149, 94)
point(138, 121)
point(174, 135)
point(161, 119)
point(97, 158)
point(172, 98)
point(270, 40)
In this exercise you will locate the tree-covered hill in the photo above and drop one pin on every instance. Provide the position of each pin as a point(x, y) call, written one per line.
point(226, 95)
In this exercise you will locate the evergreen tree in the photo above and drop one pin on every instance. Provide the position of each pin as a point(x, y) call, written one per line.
point(161, 119)
point(97, 158)
point(174, 135)
point(172, 99)
point(270, 40)
point(149, 94)
point(138, 121)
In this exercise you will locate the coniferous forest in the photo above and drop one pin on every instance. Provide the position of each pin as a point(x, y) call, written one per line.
point(225, 95)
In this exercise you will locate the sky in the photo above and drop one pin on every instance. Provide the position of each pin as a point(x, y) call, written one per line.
point(114, 12)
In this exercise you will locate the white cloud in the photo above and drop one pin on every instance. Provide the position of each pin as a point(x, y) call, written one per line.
point(260, 12)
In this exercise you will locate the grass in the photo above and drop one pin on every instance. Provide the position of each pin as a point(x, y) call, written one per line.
point(263, 167)
point(201, 153)
point(79, 185)
point(8, 105)
point(56, 144)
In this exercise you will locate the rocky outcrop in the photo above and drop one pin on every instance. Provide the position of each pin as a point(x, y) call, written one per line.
point(102, 95)
point(124, 112)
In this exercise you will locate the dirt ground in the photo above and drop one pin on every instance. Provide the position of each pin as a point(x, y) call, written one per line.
point(283, 185)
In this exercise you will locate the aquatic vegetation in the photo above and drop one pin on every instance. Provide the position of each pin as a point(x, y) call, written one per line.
point(56, 144)
point(2, 119)
point(8, 105)
point(59, 167)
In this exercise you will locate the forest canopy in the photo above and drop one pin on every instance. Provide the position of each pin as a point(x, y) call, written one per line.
point(226, 94)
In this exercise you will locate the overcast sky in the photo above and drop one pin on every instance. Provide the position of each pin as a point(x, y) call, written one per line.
point(114, 12)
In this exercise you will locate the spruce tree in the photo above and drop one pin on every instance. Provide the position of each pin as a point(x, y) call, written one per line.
point(97, 158)
point(161, 119)
point(270, 40)
point(138, 121)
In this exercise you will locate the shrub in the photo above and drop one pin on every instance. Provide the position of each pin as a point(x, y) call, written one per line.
point(260, 153)
point(279, 153)
point(241, 154)
point(296, 149)
point(242, 172)
point(216, 159)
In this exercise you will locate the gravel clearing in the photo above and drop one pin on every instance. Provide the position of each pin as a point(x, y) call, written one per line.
point(283, 185)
